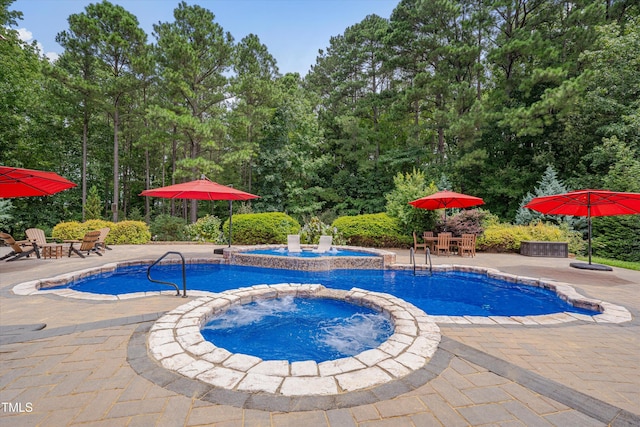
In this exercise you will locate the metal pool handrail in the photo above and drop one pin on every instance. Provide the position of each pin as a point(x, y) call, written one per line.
point(427, 260)
point(184, 275)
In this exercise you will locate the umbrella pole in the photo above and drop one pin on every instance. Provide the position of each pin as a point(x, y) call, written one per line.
point(589, 223)
point(230, 216)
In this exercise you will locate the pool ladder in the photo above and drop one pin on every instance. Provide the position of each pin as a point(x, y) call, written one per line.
point(427, 260)
point(184, 275)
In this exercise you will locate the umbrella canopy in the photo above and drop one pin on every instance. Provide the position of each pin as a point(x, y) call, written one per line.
point(446, 199)
point(19, 182)
point(202, 189)
point(588, 203)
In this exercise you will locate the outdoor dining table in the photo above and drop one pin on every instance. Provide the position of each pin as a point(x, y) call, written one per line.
point(432, 240)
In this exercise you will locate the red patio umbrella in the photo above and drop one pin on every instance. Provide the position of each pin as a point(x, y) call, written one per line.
point(201, 189)
point(446, 199)
point(588, 203)
point(20, 182)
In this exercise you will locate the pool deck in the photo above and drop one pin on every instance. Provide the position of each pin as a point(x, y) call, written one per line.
point(84, 367)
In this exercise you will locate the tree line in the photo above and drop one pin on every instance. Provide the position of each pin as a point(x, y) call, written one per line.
point(480, 96)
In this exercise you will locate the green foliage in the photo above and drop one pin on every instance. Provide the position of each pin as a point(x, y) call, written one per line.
point(314, 228)
point(507, 237)
point(129, 233)
point(67, 231)
point(168, 228)
point(468, 221)
point(124, 232)
point(261, 228)
point(5, 213)
point(547, 186)
point(206, 229)
point(408, 187)
point(373, 230)
point(75, 230)
point(93, 207)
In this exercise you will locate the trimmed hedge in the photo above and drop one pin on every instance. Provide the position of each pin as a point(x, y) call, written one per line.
point(372, 230)
point(124, 232)
point(261, 228)
point(507, 237)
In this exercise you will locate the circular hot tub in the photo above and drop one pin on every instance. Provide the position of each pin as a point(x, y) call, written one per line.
point(177, 343)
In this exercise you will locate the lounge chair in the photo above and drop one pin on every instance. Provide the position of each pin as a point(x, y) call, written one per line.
point(324, 245)
point(467, 245)
point(47, 250)
point(293, 243)
point(444, 244)
point(87, 244)
point(101, 244)
point(17, 250)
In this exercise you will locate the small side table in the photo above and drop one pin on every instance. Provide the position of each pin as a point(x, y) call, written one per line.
point(52, 251)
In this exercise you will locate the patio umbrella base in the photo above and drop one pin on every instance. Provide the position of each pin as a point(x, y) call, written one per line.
point(587, 266)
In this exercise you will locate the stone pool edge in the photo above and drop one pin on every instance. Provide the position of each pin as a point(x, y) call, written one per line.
point(608, 312)
point(175, 341)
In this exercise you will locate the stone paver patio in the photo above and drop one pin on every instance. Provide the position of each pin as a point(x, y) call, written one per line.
point(90, 365)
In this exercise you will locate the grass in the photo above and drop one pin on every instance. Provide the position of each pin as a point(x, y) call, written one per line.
point(629, 265)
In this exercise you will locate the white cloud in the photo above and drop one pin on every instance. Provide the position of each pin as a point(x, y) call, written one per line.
point(27, 37)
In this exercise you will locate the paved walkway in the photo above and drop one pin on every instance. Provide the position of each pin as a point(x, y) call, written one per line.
point(89, 365)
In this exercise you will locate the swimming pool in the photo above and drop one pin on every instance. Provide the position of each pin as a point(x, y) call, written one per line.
point(442, 293)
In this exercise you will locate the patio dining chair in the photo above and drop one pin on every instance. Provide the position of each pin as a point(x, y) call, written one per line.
point(444, 244)
point(417, 245)
point(467, 245)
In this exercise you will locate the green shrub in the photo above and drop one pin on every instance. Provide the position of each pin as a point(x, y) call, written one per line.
point(261, 228)
point(507, 237)
point(314, 228)
point(206, 229)
point(71, 230)
point(372, 230)
point(168, 228)
point(129, 232)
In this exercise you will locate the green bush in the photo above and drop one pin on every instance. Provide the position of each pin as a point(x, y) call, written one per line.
point(124, 232)
point(507, 237)
point(74, 230)
point(168, 228)
point(261, 228)
point(314, 228)
point(206, 229)
point(372, 230)
point(129, 232)
point(71, 230)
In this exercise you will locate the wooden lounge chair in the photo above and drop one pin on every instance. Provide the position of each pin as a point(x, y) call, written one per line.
point(17, 250)
point(467, 245)
point(87, 244)
point(47, 249)
point(417, 245)
point(101, 244)
point(293, 243)
point(444, 244)
point(324, 245)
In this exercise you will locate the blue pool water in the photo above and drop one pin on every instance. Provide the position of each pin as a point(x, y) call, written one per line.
point(308, 253)
point(297, 329)
point(451, 293)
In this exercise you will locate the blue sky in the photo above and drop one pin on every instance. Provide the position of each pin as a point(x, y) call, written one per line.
point(293, 30)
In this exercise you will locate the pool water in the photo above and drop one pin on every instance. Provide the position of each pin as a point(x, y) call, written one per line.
point(308, 253)
point(298, 329)
point(450, 293)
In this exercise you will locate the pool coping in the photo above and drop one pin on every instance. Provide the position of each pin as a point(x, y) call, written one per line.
point(607, 312)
